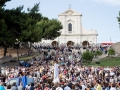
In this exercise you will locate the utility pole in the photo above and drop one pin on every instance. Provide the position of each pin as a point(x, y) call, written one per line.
point(110, 39)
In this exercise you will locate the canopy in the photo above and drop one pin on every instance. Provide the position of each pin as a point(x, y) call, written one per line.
point(107, 43)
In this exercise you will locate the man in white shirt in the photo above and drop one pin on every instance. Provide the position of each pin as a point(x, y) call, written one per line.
point(67, 88)
point(83, 86)
point(58, 88)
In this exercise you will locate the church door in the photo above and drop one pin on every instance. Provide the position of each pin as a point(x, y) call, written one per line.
point(85, 43)
point(70, 43)
point(54, 43)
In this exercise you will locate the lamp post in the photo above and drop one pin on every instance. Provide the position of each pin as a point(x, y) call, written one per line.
point(17, 47)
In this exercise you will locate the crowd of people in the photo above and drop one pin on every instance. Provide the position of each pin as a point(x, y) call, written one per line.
point(72, 74)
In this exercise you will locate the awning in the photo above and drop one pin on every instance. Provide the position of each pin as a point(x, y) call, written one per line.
point(107, 43)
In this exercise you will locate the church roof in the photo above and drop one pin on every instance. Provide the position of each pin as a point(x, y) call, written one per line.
point(70, 12)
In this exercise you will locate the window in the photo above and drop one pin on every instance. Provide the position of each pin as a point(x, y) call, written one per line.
point(69, 27)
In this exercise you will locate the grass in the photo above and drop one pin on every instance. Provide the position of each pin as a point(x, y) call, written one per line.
point(107, 61)
point(29, 57)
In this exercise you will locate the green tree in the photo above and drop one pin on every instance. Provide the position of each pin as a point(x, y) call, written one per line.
point(12, 27)
point(87, 56)
point(111, 52)
point(97, 53)
point(14, 20)
point(5, 35)
point(31, 32)
point(2, 2)
point(119, 19)
point(50, 28)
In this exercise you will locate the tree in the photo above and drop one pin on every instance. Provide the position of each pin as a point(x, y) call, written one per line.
point(111, 52)
point(50, 28)
point(5, 35)
point(38, 27)
point(2, 2)
point(119, 19)
point(31, 32)
point(97, 53)
point(87, 56)
point(12, 24)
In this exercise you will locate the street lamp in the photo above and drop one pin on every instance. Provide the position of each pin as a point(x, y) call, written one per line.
point(17, 42)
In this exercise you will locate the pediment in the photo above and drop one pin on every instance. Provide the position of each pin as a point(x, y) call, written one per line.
point(70, 12)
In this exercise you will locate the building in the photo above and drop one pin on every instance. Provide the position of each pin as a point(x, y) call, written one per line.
point(73, 32)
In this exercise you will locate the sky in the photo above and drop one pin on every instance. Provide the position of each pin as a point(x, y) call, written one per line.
point(100, 15)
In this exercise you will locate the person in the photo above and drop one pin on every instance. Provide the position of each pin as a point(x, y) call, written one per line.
point(113, 87)
point(99, 87)
point(32, 86)
point(56, 73)
point(92, 87)
point(14, 87)
point(67, 88)
point(9, 87)
point(59, 88)
point(2, 87)
point(46, 87)
point(20, 87)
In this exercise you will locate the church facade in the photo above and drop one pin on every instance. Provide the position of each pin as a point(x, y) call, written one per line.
point(73, 32)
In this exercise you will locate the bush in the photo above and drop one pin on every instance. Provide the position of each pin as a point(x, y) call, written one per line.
point(97, 62)
point(111, 52)
point(87, 56)
point(98, 52)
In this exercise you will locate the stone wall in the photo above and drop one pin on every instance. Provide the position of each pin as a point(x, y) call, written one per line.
point(116, 47)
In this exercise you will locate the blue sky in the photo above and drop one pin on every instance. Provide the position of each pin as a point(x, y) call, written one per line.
point(100, 15)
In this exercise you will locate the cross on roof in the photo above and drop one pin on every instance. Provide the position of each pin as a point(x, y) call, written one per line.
point(69, 6)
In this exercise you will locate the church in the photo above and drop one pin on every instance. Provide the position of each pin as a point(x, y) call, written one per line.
point(73, 33)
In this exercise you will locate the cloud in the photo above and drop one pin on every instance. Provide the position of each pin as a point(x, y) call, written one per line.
point(111, 2)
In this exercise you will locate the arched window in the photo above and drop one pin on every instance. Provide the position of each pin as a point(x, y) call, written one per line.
point(69, 27)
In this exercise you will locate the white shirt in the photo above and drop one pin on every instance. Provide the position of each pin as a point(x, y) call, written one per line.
point(67, 88)
point(83, 87)
point(113, 88)
point(58, 88)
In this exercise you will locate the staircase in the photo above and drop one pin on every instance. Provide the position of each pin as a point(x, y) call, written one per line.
point(100, 57)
